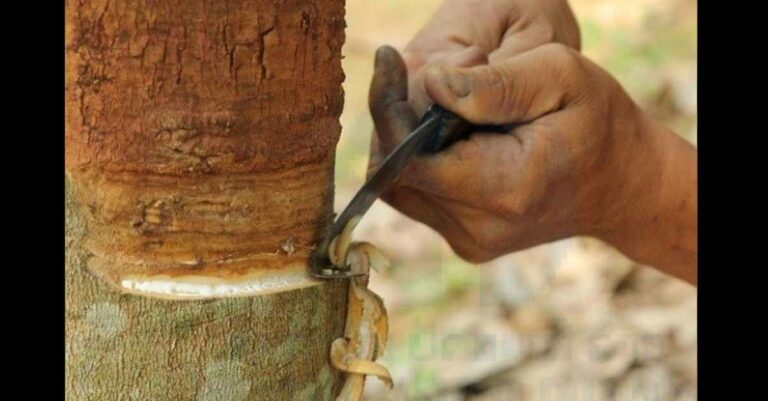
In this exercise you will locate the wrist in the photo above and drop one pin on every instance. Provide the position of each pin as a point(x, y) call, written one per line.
point(654, 219)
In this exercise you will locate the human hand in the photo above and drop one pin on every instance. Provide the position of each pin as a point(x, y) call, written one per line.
point(582, 160)
point(471, 32)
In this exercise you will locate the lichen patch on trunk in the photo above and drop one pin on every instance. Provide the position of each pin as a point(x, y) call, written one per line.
point(224, 377)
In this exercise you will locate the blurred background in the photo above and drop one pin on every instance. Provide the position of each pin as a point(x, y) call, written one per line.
point(572, 320)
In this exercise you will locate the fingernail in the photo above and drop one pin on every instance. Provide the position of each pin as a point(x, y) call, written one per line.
point(457, 82)
point(382, 53)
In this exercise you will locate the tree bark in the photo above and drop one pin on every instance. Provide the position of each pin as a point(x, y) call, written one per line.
point(200, 139)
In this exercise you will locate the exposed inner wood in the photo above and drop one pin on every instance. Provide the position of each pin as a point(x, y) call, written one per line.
point(224, 227)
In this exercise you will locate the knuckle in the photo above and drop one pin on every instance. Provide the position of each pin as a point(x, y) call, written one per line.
point(574, 38)
point(563, 57)
point(492, 93)
point(545, 33)
point(475, 56)
point(567, 66)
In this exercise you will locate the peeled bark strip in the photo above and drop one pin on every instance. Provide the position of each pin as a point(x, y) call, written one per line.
point(367, 328)
point(200, 139)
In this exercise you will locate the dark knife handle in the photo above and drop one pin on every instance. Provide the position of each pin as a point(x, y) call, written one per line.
point(452, 129)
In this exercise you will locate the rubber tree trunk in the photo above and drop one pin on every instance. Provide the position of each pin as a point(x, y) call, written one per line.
point(200, 139)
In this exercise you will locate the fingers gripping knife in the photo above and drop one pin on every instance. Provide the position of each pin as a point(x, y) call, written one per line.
point(438, 129)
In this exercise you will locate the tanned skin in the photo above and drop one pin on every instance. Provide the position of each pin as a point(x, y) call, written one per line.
point(584, 159)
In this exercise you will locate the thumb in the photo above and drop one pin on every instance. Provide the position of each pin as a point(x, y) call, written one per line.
point(519, 89)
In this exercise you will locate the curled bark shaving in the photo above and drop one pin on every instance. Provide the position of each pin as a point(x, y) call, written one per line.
point(339, 248)
point(366, 330)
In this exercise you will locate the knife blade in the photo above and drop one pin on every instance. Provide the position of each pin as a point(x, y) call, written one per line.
point(438, 129)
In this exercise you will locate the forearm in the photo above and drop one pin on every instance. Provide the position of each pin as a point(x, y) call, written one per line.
point(659, 222)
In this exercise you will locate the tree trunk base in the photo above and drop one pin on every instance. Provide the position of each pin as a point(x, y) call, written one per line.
point(127, 347)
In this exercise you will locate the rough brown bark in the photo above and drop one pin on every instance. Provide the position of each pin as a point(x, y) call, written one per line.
point(200, 139)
